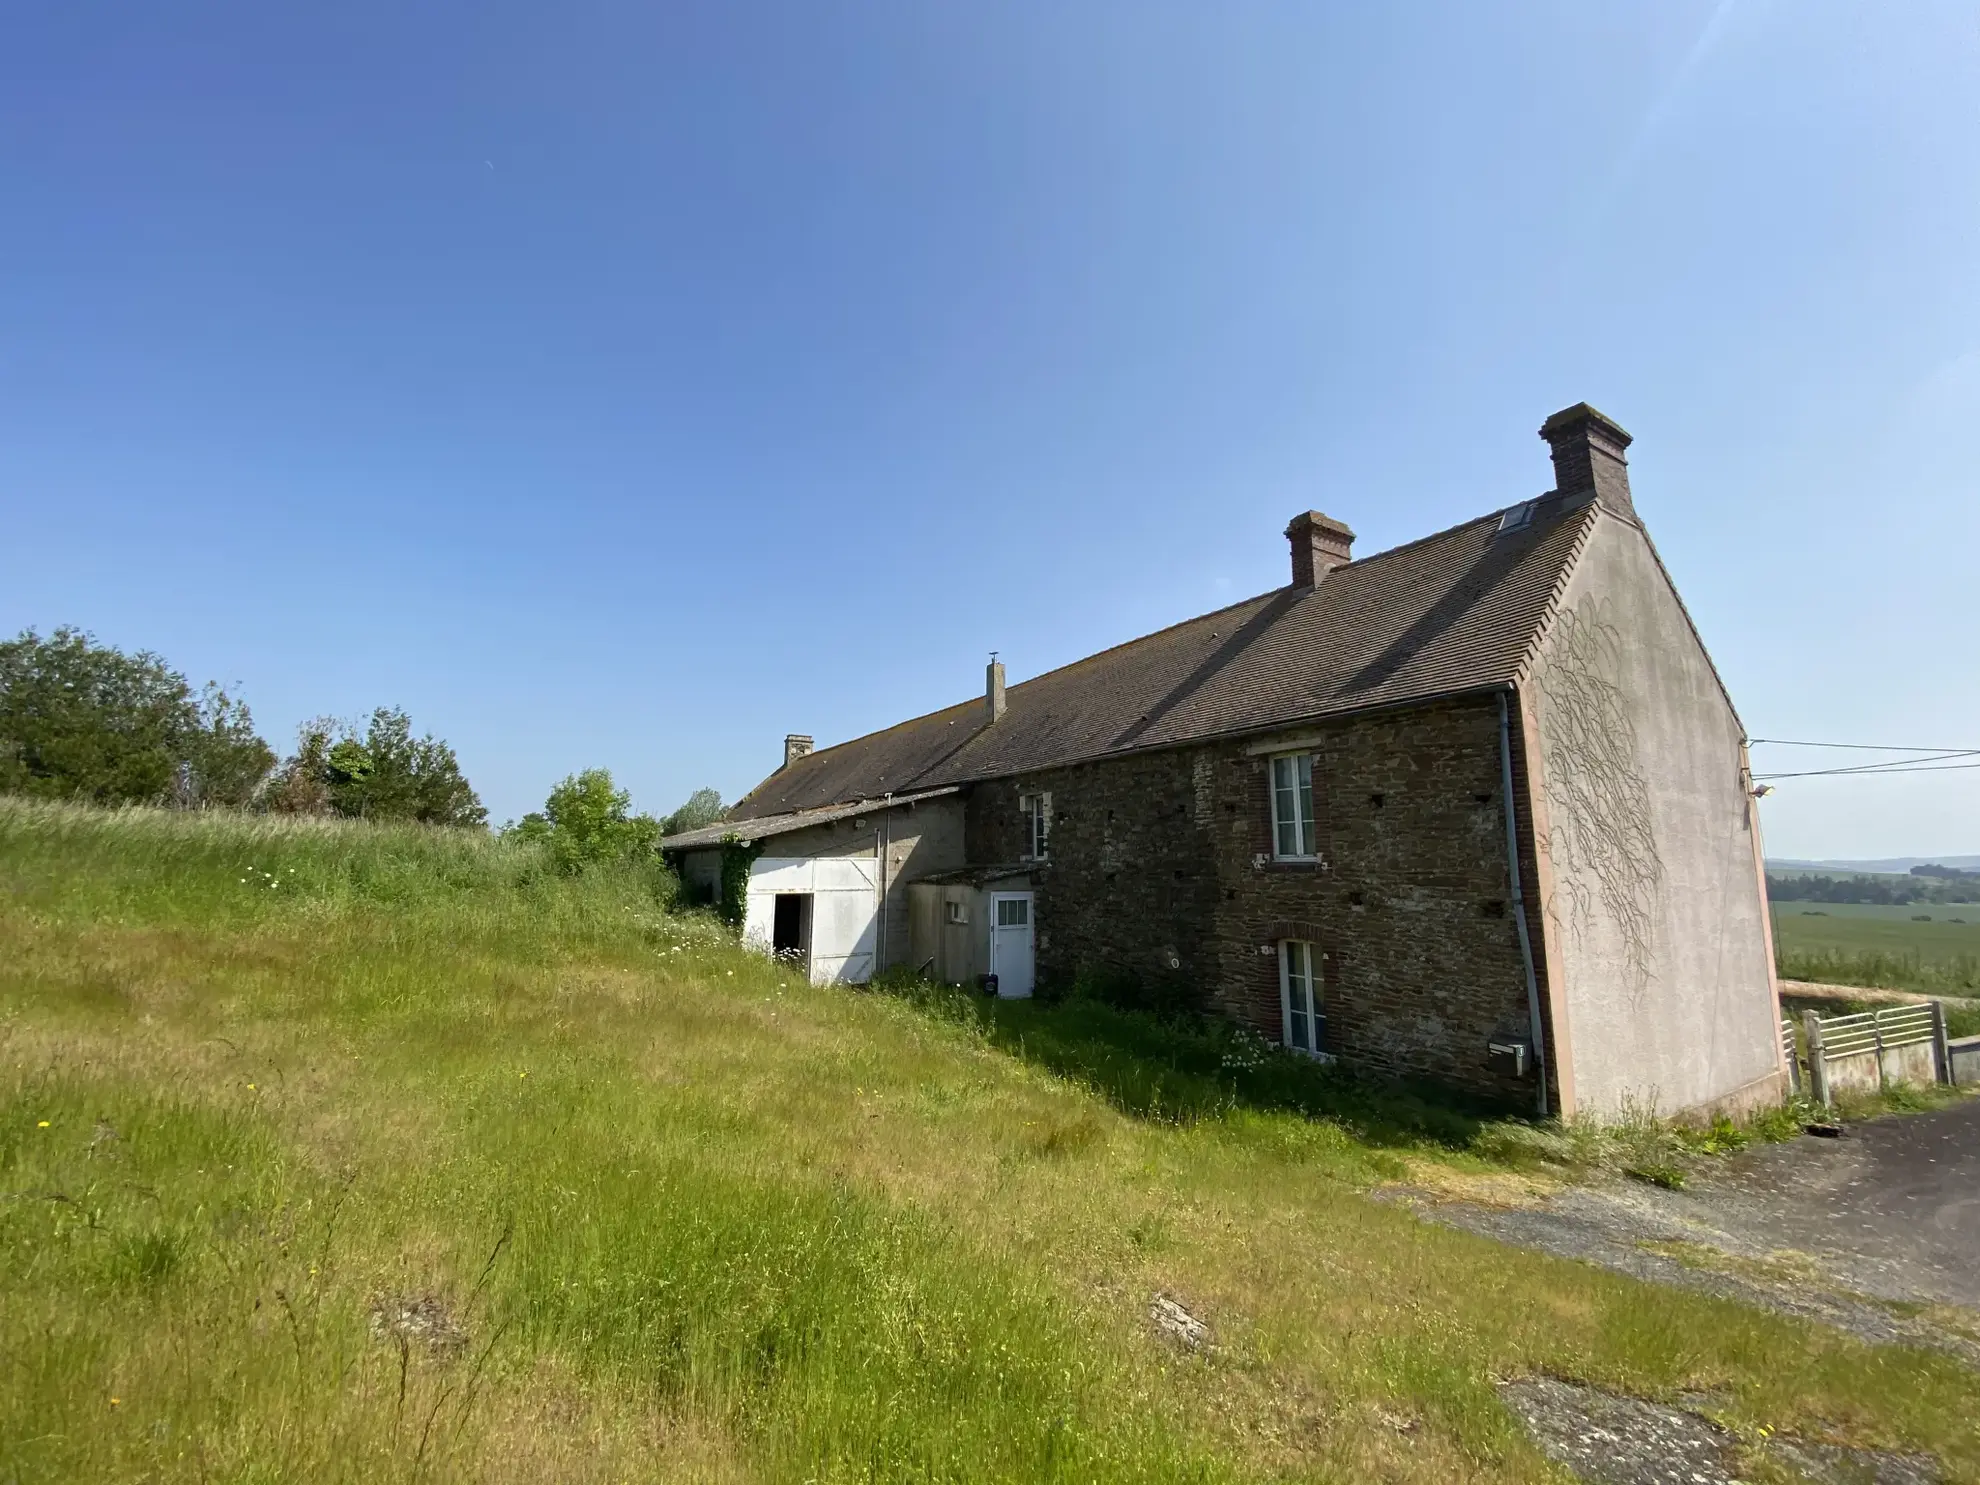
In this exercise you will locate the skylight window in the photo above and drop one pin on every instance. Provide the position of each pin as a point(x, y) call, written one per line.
point(1518, 516)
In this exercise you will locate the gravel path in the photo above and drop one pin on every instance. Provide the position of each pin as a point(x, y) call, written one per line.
point(1608, 1440)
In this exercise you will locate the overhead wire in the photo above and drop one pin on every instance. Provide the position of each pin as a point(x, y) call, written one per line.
point(1929, 760)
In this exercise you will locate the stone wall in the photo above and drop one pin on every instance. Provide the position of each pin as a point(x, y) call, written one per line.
point(1161, 876)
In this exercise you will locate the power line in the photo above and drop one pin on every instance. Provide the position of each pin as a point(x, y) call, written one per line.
point(1924, 760)
point(1904, 765)
point(1781, 742)
point(1899, 767)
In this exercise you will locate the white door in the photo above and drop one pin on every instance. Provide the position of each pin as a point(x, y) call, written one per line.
point(845, 917)
point(1010, 944)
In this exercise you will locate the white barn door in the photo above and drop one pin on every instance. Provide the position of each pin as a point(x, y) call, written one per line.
point(843, 917)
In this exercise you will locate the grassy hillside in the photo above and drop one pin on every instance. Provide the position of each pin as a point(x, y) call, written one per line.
point(1929, 947)
point(343, 1153)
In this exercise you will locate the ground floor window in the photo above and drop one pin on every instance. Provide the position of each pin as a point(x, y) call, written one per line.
point(1299, 997)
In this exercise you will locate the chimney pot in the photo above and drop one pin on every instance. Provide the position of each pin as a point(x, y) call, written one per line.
point(1319, 545)
point(993, 689)
point(796, 745)
point(1588, 457)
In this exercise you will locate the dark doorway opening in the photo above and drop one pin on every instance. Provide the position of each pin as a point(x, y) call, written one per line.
point(790, 924)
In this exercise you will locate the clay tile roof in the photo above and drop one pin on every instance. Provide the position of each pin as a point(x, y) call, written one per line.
point(1453, 612)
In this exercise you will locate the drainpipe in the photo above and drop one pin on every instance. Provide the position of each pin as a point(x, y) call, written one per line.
point(883, 838)
point(1519, 901)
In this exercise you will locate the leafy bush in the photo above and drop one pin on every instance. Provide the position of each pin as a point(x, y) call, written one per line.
point(586, 821)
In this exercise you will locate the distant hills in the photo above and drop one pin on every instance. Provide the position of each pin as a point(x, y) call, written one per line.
point(1894, 865)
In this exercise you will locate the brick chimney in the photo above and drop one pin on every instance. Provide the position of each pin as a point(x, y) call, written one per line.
point(1319, 545)
point(993, 688)
point(1588, 457)
point(796, 745)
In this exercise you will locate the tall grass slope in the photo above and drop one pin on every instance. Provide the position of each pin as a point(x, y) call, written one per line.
point(336, 1152)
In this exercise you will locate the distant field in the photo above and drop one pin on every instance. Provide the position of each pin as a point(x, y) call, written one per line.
point(1871, 944)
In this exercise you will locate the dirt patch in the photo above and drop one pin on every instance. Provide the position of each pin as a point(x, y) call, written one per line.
point(1170, 1318)
point(1610, 1440)
point(418, 1320)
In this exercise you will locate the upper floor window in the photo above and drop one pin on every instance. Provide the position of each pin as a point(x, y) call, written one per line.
point(1293, 835)
point(1037, 810)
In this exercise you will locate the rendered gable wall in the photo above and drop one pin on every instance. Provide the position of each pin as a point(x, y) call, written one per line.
point(1655, 910)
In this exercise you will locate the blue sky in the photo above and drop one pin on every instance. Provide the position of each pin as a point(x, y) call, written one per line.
point(631, 385)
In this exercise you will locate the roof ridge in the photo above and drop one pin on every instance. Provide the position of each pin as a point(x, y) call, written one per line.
point(1370, 559)
point(1084, 707)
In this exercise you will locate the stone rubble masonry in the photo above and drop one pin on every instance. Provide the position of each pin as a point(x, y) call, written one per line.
point(1161, 870)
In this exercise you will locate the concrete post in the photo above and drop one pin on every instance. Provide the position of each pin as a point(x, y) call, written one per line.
point(1941, 1050)
point(1818, 1069)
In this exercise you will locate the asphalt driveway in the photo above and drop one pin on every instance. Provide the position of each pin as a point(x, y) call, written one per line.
point(1877, 1232)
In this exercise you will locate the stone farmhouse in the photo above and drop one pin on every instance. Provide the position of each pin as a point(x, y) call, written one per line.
point(1476, 810)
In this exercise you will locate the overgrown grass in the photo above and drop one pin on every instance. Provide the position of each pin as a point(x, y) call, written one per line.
point(1186, 1070)
point(427, 1163)
point(1878, 969)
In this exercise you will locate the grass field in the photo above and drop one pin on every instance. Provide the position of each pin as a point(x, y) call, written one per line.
point(1870, 944)
point(343, 1153)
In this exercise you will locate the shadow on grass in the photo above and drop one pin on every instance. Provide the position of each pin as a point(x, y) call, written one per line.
point(1182, 1070)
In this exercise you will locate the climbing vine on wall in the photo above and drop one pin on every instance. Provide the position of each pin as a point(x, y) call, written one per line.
point(732, 901)
point(1604, 840)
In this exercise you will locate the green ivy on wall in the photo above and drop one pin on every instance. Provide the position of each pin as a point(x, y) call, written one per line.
point(737, 855)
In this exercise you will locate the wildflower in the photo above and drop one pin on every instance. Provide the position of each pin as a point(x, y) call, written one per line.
point(42, 1125)
point(116, 1402)
point(250, 1087)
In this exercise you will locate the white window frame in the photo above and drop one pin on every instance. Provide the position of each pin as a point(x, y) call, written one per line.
point(1300, 975)
point(1037, 810)
point(1306, 829)
point(958, 912)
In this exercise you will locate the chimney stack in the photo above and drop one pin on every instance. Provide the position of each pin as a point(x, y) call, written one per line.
point(796, 745)
point(1319, 545)
point(993, 688)
point(1588, 457)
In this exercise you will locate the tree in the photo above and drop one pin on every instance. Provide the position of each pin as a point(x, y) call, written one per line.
point(387, 774)
point(586, 821)
point(228, 762)
point(703, 807)
point(79, 720)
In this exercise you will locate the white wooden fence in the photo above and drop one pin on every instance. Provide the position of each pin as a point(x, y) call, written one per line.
point(1871, 1050)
